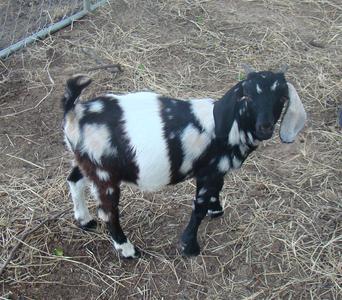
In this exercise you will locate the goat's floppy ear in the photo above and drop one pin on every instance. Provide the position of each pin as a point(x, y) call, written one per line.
point(294, 117)
point(224, 112)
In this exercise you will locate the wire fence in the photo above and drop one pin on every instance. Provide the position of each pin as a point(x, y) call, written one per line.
point(25, 21)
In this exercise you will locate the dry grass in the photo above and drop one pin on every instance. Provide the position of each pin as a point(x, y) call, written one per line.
point(281, 234)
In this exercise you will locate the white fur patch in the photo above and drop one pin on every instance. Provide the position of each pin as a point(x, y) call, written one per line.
point(105, 217)
point(126, 249)
point(71, 127)
point(214, 212)
point(71, 130)
point(258, 89)
point(144, 129)
point(202, 192)
point(94, 191)
point(250, 137)
point(242, 137)
point(203, 111)
point(82, 80)
point(79, 110)
point(96, 107)
point(234, 137)
point(274, 86)
point(213, 199)
point(102, 174)
point(200, 200)
point(81, 212)
point(236, 162)
point(96, 142)
point(243, 148)
point(223, 165)
point(109, 191)
point(193, 143)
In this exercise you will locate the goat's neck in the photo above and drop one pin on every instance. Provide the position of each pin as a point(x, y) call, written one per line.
point(245, 128)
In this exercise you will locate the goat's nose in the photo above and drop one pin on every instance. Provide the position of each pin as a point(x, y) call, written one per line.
point(266, 127)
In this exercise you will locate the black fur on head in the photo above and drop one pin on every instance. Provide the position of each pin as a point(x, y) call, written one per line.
point(255, 103)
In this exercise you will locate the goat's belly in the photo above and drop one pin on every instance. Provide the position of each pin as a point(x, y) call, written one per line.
point(154, 171)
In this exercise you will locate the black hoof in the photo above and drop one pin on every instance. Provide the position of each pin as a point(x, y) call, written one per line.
point(213, 214)
point(90, 226)
point(191, 249)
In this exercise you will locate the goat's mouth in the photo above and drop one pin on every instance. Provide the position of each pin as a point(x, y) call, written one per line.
point(262, 135)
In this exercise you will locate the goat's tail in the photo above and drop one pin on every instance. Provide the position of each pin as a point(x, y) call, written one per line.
point(74, 88)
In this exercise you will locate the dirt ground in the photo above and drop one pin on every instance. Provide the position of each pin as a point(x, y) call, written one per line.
point(281, 235)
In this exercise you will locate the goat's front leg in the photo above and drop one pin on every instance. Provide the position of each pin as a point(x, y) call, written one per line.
point(108, 211)
point(77, 185)
point(215, 209)
point(207, 189)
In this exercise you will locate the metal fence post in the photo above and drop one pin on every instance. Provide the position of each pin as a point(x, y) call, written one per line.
point(87, 7)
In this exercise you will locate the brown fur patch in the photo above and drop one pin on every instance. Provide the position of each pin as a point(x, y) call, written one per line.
point(89, 170)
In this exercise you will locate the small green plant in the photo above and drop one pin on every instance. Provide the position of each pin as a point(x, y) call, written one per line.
point(200, 20)
point(241, 76)
point(141, 67)
point(58, 251)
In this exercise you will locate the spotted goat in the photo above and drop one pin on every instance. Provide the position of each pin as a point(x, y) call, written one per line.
point(152, 141)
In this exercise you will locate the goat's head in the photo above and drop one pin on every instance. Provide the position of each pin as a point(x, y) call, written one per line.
point(261, 97)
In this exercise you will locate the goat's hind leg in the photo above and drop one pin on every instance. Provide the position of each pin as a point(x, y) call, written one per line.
point(108, 211)
point(77, 184)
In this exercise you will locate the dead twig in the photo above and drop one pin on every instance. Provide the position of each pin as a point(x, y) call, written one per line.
point(26, 161)
point(116, 68)
point(112, 68)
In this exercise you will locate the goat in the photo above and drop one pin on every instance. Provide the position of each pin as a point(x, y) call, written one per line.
point(152, 141)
